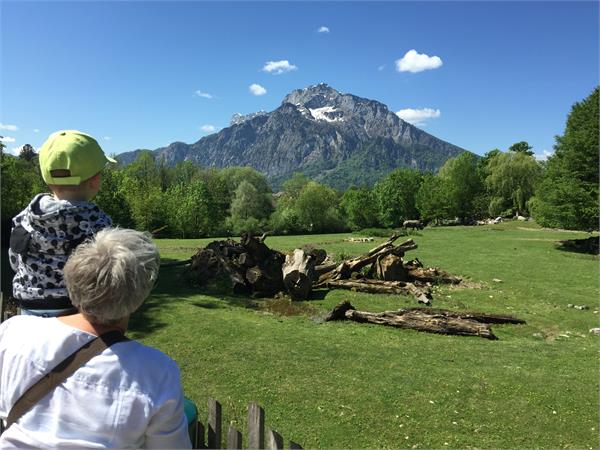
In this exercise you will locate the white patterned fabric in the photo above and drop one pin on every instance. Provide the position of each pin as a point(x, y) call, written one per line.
point(129, 396)
point(43, 236)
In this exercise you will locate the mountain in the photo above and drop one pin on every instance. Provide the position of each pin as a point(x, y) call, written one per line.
point(335, 138)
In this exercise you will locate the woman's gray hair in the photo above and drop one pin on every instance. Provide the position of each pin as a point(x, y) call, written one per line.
point(111, 275)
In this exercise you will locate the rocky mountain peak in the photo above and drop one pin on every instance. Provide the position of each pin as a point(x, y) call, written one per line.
point(312, 97)
point(333, 137)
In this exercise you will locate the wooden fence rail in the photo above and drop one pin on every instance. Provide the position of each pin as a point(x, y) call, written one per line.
point(210, 437)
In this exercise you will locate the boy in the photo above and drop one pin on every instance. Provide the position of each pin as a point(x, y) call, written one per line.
point(52, 225)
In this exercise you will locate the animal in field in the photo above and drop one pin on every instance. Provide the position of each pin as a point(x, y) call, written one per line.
point(413, 224)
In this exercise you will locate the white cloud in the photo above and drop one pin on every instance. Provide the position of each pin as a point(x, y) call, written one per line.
point(380, 68)
point(323, 30)
point(208, 128)
point(257, 89)
point(107, 138)
point(279, 67)
point(36, 130)
point(417, 62)
point(15, 151)
point(8, 127)
point(417, 117)
point(199, 93)
point(7, 139)
point(544, 155)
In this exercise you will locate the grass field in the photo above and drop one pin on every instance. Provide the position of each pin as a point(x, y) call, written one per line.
point(348, 385)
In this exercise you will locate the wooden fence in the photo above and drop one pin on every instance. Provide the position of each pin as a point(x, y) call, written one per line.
point(210, 437)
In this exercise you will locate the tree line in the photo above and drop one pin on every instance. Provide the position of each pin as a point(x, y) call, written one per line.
point(187, 201)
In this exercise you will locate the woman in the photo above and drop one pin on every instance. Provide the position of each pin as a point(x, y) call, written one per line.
point(129, 395)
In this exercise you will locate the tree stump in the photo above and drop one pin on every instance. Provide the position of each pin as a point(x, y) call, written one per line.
point(390, 268)
point(298, 274)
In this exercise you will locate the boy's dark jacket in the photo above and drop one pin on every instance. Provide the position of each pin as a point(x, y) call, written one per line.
point(43, 236)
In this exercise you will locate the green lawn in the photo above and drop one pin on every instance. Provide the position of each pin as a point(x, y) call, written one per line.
point(348, 385)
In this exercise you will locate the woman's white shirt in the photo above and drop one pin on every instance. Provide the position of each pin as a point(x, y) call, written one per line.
point(129, 396)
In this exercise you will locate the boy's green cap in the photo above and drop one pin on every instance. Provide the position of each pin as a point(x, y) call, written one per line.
point(69, 157)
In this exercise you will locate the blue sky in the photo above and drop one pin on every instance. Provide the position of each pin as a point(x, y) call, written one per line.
point(145, 74)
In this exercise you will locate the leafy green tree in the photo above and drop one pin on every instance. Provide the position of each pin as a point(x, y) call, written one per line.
point(190, 210)
point(484, 161)
point(234, 176)
point(285, 218)
point(521, 147)
point(249, 208)
point(464, 184)
point(359, 207)
point(433, 199)
point(112, 197)
point(396, 196)
point(142, 185)
point(21, 180)
point(317, 208)
point(568, 194)
point(220, 195)
point(512, 179)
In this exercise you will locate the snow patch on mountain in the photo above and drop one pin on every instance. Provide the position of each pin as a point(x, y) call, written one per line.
point(327, 113)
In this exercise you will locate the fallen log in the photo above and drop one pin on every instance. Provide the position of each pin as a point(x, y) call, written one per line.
point(422, 294)
point(298, 274)
point(470, 315)
point(427, 320)
point(345, 269)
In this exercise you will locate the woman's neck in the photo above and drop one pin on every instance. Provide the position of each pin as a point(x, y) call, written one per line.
point(83, 322)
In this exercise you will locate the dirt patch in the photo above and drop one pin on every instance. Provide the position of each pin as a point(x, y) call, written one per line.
point(286, 307)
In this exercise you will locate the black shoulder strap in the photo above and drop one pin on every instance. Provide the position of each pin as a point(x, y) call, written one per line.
point(61, 372)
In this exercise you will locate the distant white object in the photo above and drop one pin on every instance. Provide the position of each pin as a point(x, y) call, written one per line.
point(521, 218)
point(497, 219)
point(595, 331)
point(359, 239)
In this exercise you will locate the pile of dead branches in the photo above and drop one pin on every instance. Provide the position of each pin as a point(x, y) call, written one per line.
point(250, 267)
point(383, 270)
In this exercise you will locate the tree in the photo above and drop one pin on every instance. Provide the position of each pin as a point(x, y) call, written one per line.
point(142, 185)
point(433, 199)
point(112, 197)
point(521, 147)
point(359, 206)
point(396, 196)
point(464, 184)
point(285, 218)
point(190, 210)
point(249, 208)
point(27, 152)
point(21, 180)
point(512, 179)
point(235, 175)
point(568, 194)
point(317, 209)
